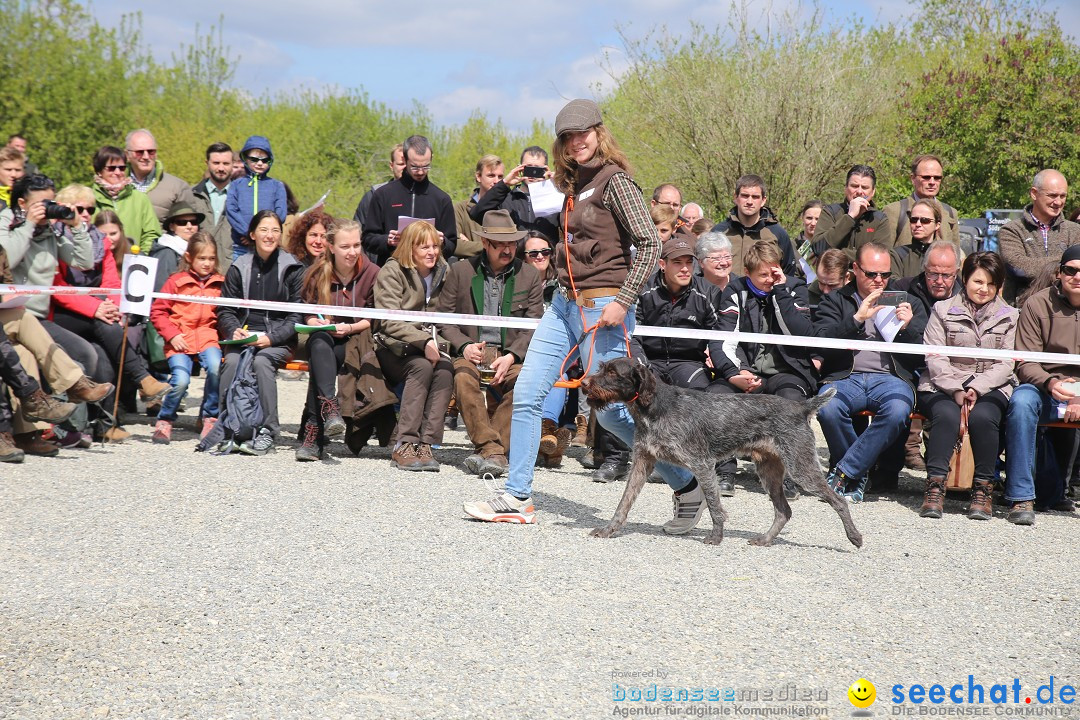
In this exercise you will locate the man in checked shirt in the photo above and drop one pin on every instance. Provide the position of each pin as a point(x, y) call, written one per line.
point(1037, 240)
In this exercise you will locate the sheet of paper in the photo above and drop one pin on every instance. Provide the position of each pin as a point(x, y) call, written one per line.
point(887, 323)
point(14, 301)
point(811, 276)
point(405, 221)
point(546, 200)
point(320, 203)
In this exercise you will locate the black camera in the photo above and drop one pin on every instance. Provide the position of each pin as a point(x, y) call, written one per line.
point(56, 211)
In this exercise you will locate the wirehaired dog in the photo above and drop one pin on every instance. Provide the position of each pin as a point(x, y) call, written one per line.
point(695, 429)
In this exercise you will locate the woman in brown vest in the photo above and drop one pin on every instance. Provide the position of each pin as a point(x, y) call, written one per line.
point(604, 215)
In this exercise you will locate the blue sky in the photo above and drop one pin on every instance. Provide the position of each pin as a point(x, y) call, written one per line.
point(515, 59)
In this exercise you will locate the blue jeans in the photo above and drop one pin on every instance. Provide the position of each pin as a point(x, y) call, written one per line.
point(553, 404)
point(559, 329)
point(1028, 407)
point(887, 396)
point(181, 365)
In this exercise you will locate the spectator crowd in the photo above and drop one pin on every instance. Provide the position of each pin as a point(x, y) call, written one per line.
point(72, 366)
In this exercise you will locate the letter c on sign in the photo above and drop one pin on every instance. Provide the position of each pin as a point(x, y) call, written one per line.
point(135, 267)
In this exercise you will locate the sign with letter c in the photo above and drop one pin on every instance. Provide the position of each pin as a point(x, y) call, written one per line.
point(138, 284)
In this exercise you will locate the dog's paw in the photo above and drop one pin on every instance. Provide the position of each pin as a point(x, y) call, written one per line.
point(856, 540)
point(713, 539)
point(760, 541)
point(604, 532)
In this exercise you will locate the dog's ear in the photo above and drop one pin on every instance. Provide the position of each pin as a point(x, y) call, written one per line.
point(646, 383)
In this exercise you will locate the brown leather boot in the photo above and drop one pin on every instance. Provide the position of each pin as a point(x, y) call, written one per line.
point(8, 452)
point(88, 391)
point(913, 457)
point(581, 431)
point(549, 443)
point(32, 443)
point(934, 501)
point(151, 389)
point(981, 507)
point(39, 407)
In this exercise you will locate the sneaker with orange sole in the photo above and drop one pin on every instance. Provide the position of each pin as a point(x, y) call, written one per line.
point(503, 508)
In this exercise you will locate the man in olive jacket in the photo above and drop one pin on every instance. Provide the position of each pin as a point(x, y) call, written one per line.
point(856, 221)
point(492, 283)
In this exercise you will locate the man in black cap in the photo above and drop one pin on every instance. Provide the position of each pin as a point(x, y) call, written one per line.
point(494, 282)
point(1050, 391)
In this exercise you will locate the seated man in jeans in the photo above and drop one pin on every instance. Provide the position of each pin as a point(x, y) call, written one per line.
point(765, 300)
point(1047, 324)
point(880, 382)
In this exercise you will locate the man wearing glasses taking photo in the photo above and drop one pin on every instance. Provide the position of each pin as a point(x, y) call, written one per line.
point(148, 174)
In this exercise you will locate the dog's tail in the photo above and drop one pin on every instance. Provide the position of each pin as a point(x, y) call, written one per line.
point(816, 403)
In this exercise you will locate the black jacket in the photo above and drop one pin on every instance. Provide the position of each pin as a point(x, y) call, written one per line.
point(787, 307)
point(694, 308)
point(836, 319)
point(414, 199)
point(917, 290)
point(766, 228)
point(244, 279)
point(517, 201)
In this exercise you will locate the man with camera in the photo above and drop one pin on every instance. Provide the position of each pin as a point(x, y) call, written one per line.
point(495, 282)
point(512, 193)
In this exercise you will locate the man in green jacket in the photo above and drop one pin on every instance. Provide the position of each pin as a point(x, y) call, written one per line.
point(854, 222)
point(492, 283)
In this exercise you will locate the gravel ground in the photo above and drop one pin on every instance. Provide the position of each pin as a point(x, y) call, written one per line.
point(146, 581)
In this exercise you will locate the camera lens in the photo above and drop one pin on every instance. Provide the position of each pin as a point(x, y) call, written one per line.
point(56, 211)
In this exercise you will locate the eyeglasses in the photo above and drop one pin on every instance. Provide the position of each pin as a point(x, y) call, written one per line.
point(116, 168)
point(420, 168)
point(147, 153)
point(185, 221)
point(940, 277)
point(875, 275)
point(537, 254)
point(936, 178)
point(258, 159)
point(921, 220)
point(84, 210)
point(717, 260)
point(268, 231)
point(1069, 270)
point(675, 205)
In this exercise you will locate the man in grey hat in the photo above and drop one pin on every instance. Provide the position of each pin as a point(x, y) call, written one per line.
point(488, 359)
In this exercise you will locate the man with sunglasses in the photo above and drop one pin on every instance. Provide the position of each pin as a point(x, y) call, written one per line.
point(148, 174)
point(1049, 391)
point(1040, 236)
point(926, 176)
point(881, 382)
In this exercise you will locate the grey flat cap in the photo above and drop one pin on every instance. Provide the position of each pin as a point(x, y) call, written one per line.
point(576, 116)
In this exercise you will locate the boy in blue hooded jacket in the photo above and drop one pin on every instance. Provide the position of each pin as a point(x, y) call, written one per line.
point(255, 191)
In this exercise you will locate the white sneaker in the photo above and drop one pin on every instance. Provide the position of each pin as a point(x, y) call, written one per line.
point(688, 509)
point(503, 508)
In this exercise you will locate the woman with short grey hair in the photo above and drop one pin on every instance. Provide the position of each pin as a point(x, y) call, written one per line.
point(715, 258)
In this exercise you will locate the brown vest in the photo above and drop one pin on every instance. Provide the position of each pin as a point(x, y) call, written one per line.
point(599, 247)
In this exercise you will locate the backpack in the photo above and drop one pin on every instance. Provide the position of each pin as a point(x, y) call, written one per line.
point(242, 414)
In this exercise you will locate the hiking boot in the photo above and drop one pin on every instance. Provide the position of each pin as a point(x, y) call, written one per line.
point(591, 460)
point(428, 462)
point(934, 498)
point(1063, 505)
point(1022, 513)
point(581, 431)
point(261, 444)
point(913, 459)
point(611, 471)
point(207, 425)
point(39, 407)
point(162, 433)
point(725, 483)
point(494, 465)
point(88, 391)
point(8, 452)
point(688, 509)
point(503, 508)
point(115, 435)
point(472, 464)
point(856, 494)
point(151, 389)
point(32, 443)
point(67, 439)
point(981, 507)
point(553, 439)
point(791, 490)
point(333, 423)
point(309, 449)
point(406, 457)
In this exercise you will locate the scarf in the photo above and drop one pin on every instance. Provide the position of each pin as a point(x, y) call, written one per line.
point(110, 189)
point(754, 289)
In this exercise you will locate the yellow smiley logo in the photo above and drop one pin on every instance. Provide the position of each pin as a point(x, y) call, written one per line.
point(862, 693)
